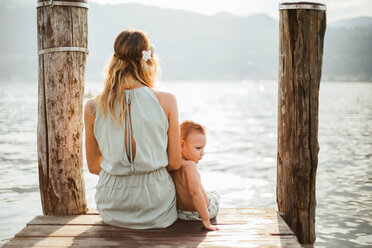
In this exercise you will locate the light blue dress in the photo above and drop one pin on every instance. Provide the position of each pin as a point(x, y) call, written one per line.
point(138, 194)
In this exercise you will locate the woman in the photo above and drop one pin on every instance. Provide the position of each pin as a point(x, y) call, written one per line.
point(132, 138)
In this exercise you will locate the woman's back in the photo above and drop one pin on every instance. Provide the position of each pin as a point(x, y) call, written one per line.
point(132, 138)
point(145, 123)
point(135, 191)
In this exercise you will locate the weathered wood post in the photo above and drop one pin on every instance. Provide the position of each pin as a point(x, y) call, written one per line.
point(302, 29)
point(62, 43)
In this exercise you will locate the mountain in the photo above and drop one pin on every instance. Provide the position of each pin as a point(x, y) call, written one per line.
point(348, 50)
point(190, 46)
point(18, 43)
point(362, 21)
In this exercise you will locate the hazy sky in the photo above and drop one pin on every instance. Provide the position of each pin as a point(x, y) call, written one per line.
point(336, 9)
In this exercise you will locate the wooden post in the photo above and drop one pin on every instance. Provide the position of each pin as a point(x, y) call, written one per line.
point(62, 43)
point(302, 29)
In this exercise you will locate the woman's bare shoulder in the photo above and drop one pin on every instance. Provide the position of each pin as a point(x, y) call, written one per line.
point(167, 100)
point(164, 95)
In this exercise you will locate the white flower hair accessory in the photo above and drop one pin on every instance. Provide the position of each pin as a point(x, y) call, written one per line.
point(146, 55)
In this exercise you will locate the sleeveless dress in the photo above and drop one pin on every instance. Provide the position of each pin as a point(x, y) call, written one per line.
point(135, 193)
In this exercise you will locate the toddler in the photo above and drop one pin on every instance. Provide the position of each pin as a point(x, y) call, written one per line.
point(193, 202)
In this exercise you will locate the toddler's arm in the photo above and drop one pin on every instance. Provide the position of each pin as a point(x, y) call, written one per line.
point(194, 189)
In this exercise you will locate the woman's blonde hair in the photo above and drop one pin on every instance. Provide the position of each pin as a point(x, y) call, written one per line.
point(126, 60)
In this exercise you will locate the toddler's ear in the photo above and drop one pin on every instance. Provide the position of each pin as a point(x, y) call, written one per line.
point(182, 143)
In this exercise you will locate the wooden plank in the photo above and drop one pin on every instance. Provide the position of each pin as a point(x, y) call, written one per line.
point(245, 211)
point(177, 229)
point(249, 241)
point(67, 220)
point(238, 228)
point(223, 211)
point(97, 220)
point(87, 220)
point(219, 238)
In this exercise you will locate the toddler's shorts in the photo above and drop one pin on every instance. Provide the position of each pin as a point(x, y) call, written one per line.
point(213, 208)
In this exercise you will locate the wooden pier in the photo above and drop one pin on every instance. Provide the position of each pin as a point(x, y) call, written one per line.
point(239, 227)
point(62, 43)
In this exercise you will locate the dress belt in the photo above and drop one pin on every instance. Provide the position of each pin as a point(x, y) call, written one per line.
point(133, 173)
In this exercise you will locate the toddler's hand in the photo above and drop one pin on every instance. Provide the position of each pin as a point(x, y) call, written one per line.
point(207, 224)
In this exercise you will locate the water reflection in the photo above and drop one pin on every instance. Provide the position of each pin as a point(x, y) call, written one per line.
point(240, 160)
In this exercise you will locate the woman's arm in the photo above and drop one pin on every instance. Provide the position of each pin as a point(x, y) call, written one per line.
point(93, 153)
point(194, 189)
point(169, 105)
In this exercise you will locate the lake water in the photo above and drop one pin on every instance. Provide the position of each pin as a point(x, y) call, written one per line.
point(240, 160)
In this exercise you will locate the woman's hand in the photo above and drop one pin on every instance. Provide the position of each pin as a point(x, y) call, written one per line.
point(207, 224)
